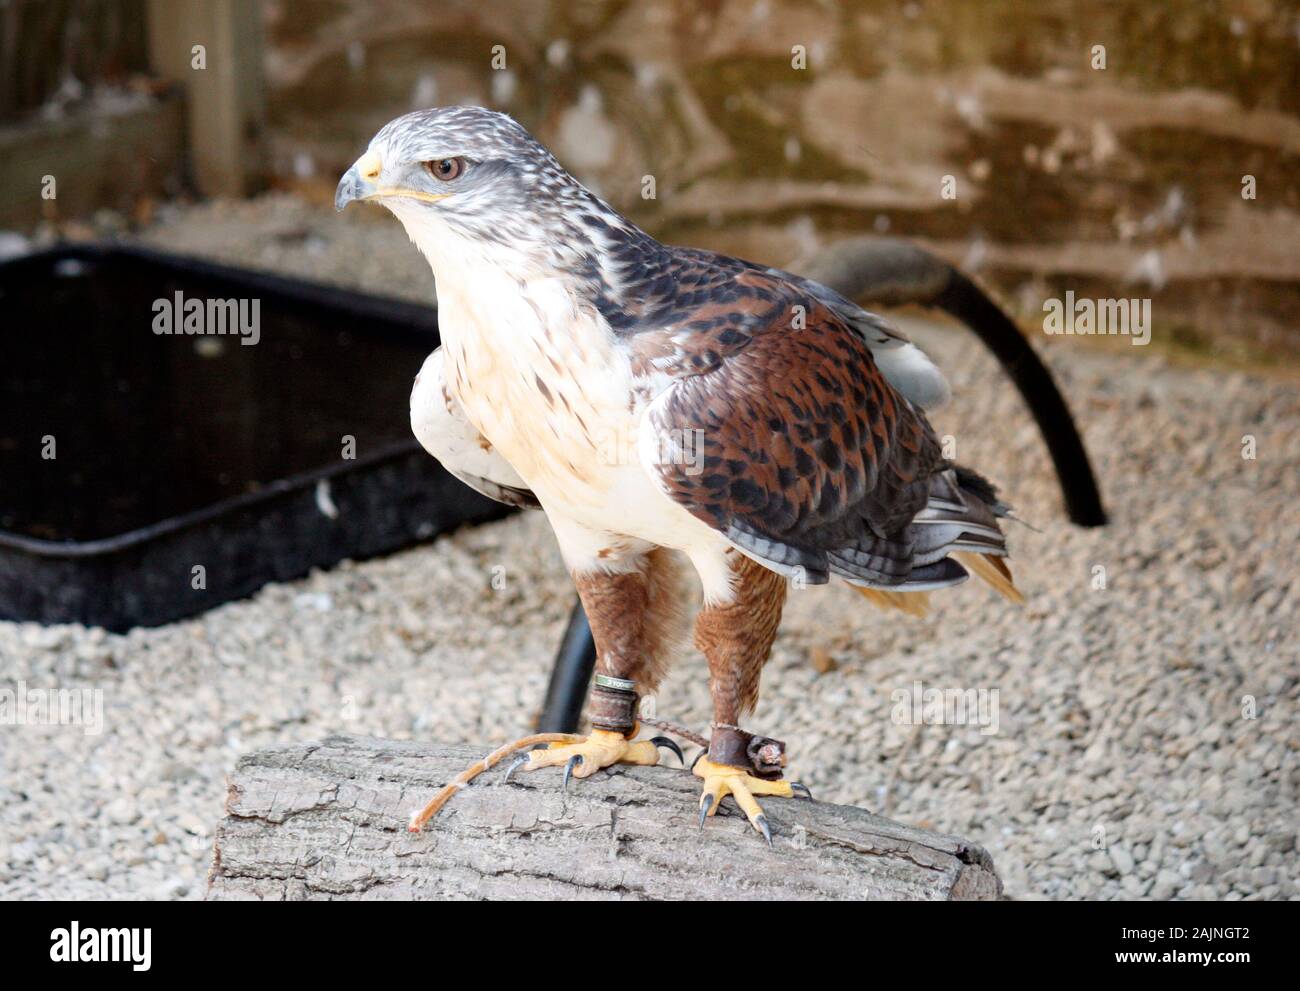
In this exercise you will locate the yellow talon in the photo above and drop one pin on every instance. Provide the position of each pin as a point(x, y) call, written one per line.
point(723, 779)
point(602, 749)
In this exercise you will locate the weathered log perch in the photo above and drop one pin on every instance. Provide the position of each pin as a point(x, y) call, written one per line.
point(328, 820)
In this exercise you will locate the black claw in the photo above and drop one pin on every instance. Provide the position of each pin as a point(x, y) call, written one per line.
point(706, 803)
point(574, 761)
point(799, 786)
point(761, 822)
point(663, 741)
point(696, 759)
point(514, 767)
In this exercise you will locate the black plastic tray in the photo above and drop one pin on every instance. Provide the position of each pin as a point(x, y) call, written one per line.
point(174, 452)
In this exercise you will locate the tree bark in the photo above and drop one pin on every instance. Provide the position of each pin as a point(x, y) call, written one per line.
point(328, 820)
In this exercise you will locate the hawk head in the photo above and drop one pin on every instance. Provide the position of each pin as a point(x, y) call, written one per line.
point(467, 178)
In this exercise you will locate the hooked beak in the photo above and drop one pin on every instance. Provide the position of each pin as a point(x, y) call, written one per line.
point(358, 182)
point(361, 183)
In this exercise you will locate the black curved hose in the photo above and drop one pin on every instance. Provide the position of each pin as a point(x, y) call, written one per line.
point(570, 677)
point(964, 300)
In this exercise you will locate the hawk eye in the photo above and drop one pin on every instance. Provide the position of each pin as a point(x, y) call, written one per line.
point(446, 169)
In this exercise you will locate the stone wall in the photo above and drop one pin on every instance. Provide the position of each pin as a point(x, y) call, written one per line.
point(997, 132)
point(772, 128)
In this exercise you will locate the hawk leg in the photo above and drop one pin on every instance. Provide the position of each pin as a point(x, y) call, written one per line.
point(619, 604)
point(736, 639)
point(633, 605)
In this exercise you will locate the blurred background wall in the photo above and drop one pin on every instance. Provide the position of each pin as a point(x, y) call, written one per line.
point(770, 128)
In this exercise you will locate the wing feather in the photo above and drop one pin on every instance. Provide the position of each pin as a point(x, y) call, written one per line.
point(905, 366)
point(441, 427)
point(813, 462)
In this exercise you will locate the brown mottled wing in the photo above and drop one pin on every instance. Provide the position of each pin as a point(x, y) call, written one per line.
point(811, 462)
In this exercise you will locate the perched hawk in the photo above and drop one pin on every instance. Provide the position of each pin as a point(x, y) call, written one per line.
point(667, 407)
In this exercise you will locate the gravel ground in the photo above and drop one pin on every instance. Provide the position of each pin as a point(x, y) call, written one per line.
point(1145, 742)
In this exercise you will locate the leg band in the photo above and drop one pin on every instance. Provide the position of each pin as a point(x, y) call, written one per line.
point(613, 705)
point(737, 748)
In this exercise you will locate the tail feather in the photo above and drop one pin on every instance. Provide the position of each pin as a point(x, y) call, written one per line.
point(957, 532)
point(912, 603)
point(992, 570)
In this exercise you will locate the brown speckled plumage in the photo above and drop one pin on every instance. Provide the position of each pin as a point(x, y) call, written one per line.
point(638, 618)
point(811, 459)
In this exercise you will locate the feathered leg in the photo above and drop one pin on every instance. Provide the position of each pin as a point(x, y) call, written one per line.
point(634, 596)
point(736, 636)
point(635, 599)
point(632, 602)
